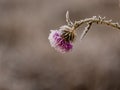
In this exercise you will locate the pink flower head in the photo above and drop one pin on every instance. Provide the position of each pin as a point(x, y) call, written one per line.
point(58, 42)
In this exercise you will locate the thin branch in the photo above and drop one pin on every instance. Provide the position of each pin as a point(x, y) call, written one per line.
point(97, 20)
point(87, 28)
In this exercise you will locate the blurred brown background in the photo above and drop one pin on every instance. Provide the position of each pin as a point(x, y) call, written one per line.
point(27, 61)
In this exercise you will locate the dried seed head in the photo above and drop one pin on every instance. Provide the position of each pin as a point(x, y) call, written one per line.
point(68, 33)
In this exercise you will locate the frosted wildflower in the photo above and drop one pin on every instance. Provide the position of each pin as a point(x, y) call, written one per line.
point(62, 39)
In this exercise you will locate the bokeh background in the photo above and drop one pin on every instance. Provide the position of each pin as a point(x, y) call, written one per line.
point(28, 62)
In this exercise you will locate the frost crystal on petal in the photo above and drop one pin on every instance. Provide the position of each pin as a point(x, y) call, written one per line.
point(58, 42)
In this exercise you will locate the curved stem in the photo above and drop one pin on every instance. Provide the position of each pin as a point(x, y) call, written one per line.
point(97, 20)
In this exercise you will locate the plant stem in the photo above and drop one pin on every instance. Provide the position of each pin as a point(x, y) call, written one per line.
point(97, 20)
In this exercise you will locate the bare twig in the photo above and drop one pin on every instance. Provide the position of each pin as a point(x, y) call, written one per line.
point(87, 28)
point(97, 20)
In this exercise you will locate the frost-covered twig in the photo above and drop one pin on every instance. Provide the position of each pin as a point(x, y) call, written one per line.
point(87, 28)
point(98, 20)
point(94, 19)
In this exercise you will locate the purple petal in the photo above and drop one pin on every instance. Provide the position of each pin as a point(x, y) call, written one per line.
point(58, 42)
